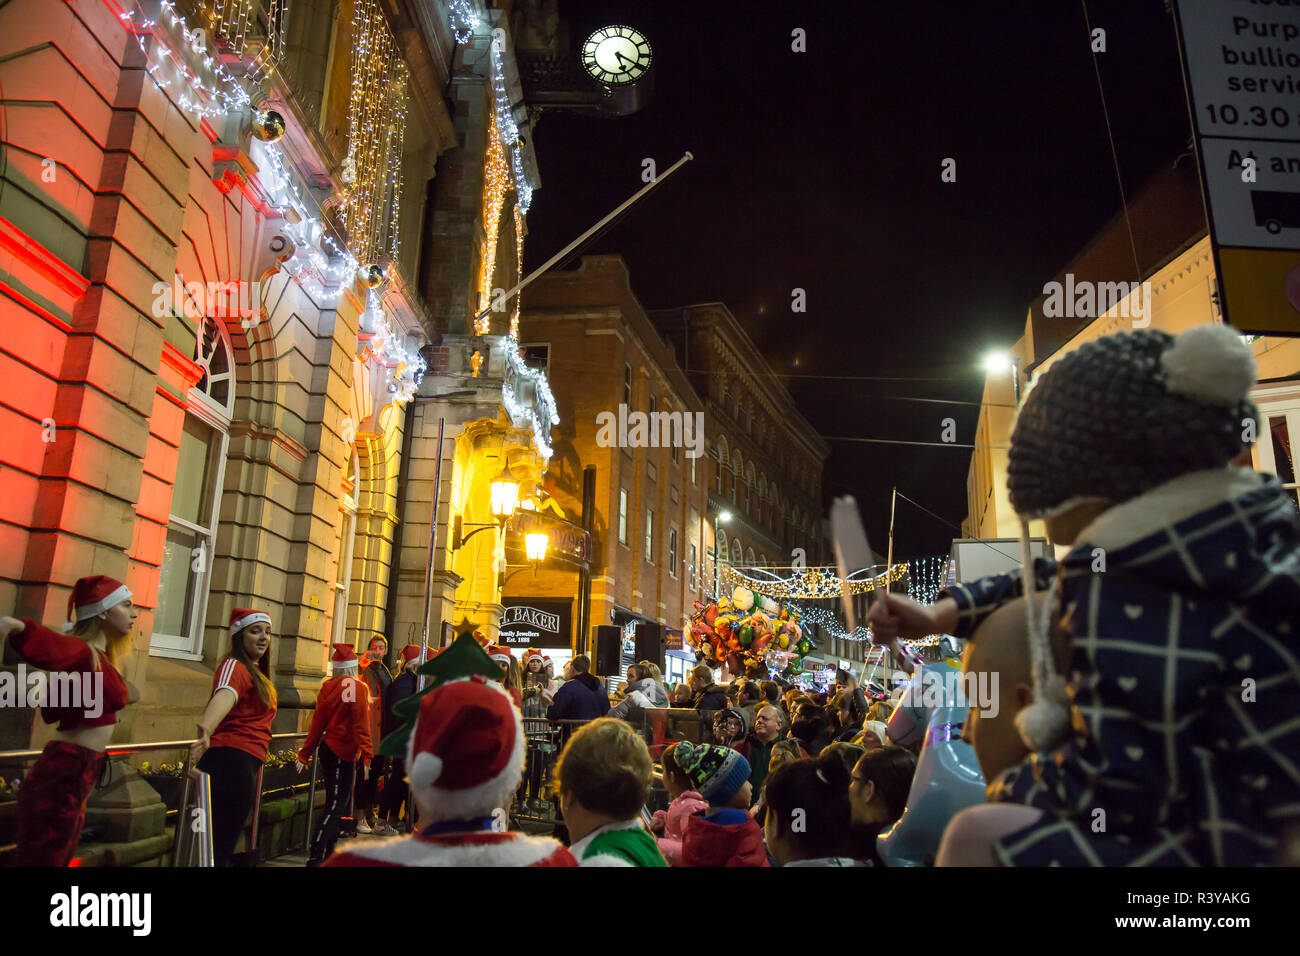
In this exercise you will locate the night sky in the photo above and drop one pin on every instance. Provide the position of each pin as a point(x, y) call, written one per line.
point(821, 171)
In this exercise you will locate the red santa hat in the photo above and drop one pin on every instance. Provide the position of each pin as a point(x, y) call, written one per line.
point(499, 654)
point(93, 596)
point(242, 617)
point(532, 653)
point(466, 755)
point(344, 658)
point(411, 652)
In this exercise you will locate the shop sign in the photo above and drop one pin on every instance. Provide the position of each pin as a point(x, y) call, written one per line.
point(528, 622)
point(567, 541)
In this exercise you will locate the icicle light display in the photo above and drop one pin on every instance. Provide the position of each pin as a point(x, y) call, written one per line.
point(372, 172)
point(235, 23)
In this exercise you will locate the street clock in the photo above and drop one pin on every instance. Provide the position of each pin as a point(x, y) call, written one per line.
point(616, 55)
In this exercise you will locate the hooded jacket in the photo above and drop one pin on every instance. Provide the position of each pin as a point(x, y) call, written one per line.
point(582, 698)
point(712, 698)
point(673, 820)
point(645, 694)
point(726, 837)
point(1182, 668)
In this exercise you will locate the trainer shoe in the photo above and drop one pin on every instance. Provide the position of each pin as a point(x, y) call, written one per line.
point(362, 827)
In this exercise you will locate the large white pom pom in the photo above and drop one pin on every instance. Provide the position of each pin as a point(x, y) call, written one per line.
point(424, 772)
point(1044, 723)
point(1211, 363)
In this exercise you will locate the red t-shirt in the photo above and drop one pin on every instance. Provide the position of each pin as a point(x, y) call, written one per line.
point(66, 654)
point(248, 725)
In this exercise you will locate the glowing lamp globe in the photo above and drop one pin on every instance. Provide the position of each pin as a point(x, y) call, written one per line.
point(995, 363)
point(505, 495)
point(536, 545)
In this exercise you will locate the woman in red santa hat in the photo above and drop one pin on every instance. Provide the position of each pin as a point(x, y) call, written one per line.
point(52, 798)
point(464, 758)
point(343, 717)
point(510, 677)
point(235, 729)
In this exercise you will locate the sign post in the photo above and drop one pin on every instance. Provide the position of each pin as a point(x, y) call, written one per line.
point(1241, 61)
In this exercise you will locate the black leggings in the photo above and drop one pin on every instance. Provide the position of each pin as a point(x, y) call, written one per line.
point(395, 791)
point(368, 788)
point(234, 787)
point(336, 778)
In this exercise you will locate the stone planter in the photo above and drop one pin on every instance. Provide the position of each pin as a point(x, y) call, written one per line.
point(168, 787)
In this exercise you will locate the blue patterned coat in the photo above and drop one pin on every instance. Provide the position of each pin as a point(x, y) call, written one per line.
point(1185, 674)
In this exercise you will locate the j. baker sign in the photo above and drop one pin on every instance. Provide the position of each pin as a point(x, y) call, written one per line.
point(536, 623)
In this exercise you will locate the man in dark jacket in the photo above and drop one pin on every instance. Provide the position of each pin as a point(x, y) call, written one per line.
point(582, 697)
point(708, 695)
point(767, 729)
point(375, 673)
point(395, 789)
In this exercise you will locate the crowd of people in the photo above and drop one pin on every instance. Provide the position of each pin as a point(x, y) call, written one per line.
point(1134, 699)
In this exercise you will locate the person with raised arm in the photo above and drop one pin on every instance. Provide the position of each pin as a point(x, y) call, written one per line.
point(52, 798)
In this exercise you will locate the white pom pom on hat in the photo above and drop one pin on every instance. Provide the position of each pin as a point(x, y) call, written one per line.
point(1211, 363)
point(1044, 723)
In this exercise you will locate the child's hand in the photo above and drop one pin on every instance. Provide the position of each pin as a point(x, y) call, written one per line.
point(894, 616)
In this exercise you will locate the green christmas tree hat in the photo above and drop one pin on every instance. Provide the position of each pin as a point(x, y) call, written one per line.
point(463, 658)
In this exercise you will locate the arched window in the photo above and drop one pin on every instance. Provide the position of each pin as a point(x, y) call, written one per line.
point(737, 553)
point(749, 557)
point(724, 555)
point(762, 560)
point(186, 571)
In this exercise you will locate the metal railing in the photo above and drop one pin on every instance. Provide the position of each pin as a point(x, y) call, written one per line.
point(205, 795)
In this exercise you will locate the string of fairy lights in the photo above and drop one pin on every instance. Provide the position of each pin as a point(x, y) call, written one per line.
point(464, 19)
point(372, 171)
point(925, 578)
point(816, 582)
point(197, 79)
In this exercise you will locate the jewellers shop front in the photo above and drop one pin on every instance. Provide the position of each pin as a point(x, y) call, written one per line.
point(543, 623)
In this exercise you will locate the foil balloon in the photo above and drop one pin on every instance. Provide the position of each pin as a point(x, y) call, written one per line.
point(948, 777)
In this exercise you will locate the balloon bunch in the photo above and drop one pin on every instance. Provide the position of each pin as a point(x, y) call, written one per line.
point(746, 629)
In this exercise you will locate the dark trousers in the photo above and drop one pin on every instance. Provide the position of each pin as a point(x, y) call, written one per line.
point(336, 777)
point(395, 791)
point(234, 789)
point(52, 803)
point(366, 789)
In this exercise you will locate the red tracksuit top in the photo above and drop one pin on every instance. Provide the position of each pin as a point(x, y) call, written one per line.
point(345, 724)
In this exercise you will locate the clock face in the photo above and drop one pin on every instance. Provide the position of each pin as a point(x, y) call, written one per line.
point(616, 55)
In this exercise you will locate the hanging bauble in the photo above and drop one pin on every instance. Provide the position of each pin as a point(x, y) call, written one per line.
point(349, 172)
point(373, 275)
point(268, 126)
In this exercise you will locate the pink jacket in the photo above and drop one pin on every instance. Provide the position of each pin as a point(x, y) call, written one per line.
point(673, 822)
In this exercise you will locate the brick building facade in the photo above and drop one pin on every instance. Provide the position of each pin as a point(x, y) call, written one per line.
point(260, 458)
